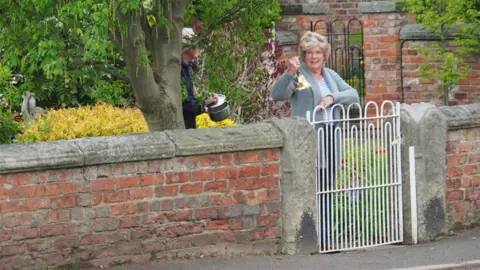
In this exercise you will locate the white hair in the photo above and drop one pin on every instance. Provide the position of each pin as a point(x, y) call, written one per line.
point(311, 40)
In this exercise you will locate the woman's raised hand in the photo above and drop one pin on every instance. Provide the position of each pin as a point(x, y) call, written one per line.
point(293, 64)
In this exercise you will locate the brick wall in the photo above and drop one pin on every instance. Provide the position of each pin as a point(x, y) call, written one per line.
point(382, 55)
point(463, 178)
point(343, 10)
point(141, 211)
point(418, 90)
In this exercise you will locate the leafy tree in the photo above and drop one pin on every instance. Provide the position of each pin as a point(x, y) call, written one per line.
point(444, 17)
point(78, 50)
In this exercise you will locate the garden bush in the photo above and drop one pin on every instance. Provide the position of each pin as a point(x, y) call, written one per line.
point(8, 126)
point(86, 121)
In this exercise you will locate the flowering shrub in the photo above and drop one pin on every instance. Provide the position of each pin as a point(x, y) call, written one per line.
point(203, 121)
point(87, 121)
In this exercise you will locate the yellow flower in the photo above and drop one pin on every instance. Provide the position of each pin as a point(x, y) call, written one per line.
point(203, 121)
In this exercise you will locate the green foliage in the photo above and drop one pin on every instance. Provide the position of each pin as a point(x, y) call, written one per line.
point(8, 127)
point(117, 93)
point(440, 17)
point(119, 262)
point(8, 92)
point(231, 53)
point(72, 53)
point(62, 52)
point(75, 264)
point(452, 69)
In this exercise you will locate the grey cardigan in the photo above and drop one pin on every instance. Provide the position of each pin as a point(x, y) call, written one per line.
point(307, 99)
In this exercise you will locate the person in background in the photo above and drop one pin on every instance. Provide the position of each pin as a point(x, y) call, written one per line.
point(190, 106)
point(308, 86)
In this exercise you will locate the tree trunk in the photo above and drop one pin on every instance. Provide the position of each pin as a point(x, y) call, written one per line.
point(156, 83)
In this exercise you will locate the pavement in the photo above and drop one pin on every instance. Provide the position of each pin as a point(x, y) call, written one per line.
point(458, 252)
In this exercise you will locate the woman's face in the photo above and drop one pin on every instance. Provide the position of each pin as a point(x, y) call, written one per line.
point(314, 59)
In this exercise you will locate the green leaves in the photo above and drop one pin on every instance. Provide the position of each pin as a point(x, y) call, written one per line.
point(71, 53)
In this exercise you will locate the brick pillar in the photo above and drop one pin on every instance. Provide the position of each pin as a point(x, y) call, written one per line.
point(382, 22)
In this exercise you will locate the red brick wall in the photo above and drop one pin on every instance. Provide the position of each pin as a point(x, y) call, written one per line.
point(343, 10)
point(382, 55)
point(467, 92)
point(463, 178)
point(173, 208)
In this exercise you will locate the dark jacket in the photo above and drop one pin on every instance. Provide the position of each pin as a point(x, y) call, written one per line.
point(190, 106)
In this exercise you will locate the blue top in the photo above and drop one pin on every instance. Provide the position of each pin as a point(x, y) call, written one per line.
point(190, 106)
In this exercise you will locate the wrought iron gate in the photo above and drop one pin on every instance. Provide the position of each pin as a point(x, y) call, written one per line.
point(359, 180)
point(347, 50)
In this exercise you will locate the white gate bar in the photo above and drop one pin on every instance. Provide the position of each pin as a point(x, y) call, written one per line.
point(399, 169)
point(413, 194)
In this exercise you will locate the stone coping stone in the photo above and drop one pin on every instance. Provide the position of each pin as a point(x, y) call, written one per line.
point(232, 139)
point(305, 9)
point(461, 116)
point(418, 32)
point(136, 147)
point(455, 117)
point(286, 38)
point(381, 7)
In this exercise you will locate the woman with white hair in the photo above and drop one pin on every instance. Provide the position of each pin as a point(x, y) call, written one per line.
point(323, 86)
point(309, 85)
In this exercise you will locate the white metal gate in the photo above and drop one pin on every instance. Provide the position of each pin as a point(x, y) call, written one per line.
point(359, 181)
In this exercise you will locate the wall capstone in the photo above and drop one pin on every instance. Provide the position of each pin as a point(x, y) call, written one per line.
point(298, 188)
point(286, 38)
point(40, 156)
point(133, 147)
point(305, 9)
point(380, 7)
point(315, 9)
point(462, 116)
point(211, 141)
point(419, 32)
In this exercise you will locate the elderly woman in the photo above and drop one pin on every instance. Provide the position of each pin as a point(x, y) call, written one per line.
point(325, 87)
point(307, 86)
